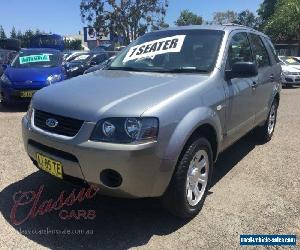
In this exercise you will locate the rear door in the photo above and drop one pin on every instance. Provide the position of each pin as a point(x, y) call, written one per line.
point(263, 87)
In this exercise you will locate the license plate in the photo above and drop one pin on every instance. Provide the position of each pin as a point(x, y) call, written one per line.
point(49, 165)
point(26, 94)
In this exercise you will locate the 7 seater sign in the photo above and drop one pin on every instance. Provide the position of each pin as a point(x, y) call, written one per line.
point(155, 47)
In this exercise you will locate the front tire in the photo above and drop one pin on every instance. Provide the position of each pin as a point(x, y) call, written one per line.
point(189, 185)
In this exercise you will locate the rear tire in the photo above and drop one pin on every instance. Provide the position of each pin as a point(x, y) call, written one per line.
point(267, 130)
point(189, 185)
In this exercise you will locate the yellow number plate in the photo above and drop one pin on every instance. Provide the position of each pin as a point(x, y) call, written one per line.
point(51, 166)
point(26, 94)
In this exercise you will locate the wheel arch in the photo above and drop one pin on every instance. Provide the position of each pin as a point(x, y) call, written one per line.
point(201, 121)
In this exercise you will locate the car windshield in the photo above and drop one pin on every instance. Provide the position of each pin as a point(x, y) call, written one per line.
point(81, 58)
point(36, 59)
point(289, 61)
point(171, 51)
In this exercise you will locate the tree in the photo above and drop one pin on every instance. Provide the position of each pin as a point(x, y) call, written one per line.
point(19, 35)
point(2, 33)
point(129, 19)
point(188, 18)
point(265, 11)
point(13, 33)
point(286, 20)
point(225, 17)
point(72, 44)
point(38, 32)
point(160, 25)
point(25, 42)
point(247, 18)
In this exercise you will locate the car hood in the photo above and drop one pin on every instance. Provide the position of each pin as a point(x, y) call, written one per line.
point(112, 93)
point(290, 68)
point(32, 74)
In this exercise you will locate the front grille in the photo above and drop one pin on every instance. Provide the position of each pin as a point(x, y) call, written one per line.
point(66, 126)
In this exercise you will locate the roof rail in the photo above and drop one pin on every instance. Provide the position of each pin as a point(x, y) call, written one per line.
point(234, 24)
point(238, 25)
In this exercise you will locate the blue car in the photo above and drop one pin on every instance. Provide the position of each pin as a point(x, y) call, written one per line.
point(31, 70)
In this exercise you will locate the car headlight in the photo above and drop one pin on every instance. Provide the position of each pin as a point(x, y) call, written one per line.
point(5, 79)
point(126, 130)
point(53, 79)
point(29, 112)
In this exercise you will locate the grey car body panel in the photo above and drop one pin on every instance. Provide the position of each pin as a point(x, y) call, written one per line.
point(111, 93)
point(182, 102)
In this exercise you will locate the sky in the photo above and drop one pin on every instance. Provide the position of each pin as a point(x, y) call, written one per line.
point(63, 16)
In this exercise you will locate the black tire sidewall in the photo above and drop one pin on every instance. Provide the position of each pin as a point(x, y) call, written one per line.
point(176, 199)
point(265, 129)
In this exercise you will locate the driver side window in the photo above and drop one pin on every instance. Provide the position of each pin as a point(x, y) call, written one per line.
point(239, 50)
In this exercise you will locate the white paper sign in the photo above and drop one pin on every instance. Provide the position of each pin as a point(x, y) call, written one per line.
point(155, 47)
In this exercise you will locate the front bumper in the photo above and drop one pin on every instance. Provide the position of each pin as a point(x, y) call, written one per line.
point(143, 172)
point(290, 79)
point(11, 95)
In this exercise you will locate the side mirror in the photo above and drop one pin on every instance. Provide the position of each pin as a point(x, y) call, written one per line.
point(4, 66)
point(242, 70)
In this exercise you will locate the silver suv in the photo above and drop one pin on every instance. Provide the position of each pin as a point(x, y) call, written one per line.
point(154, 121)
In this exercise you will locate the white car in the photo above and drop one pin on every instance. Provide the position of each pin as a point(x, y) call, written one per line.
point(290, 71)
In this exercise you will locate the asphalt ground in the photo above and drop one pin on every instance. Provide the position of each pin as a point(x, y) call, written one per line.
point(255, 190)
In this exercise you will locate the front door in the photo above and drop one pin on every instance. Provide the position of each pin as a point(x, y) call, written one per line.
point(240, 112)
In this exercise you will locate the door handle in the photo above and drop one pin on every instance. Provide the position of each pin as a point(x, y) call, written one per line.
point(254, 85)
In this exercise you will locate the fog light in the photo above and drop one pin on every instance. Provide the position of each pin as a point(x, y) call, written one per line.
point(111, 178)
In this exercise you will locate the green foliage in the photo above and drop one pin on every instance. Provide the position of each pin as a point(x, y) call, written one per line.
point(286, 19)
point(188, 18)
point(129, 19)
point(247, 18)
point(73, 44)
point(266, 9)
point(225, 17)
point(25, 41)
point(13, 33)
point(2, 33)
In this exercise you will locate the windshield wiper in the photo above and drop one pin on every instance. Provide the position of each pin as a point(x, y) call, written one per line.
point(161, 70)
point(187, 70)
point(152, 69)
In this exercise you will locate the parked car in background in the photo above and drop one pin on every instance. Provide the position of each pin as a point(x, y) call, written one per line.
point(6, 56)
point(69, 56)
point(10, 44)
point(31, 70)
point(153, 123)
point(297, 59)
point(101, 66)
point(83, 62)
point(290, 71)
point(107, 47)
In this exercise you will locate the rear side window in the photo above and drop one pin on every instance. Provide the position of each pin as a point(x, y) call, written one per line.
point(271, 47)
point(239, 50)
point(260, 53)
